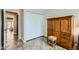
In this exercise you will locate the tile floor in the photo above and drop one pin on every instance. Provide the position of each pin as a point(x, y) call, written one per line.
point(37, 44)
point(40, 44)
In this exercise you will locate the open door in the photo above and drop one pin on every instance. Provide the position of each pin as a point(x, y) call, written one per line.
point(11, 26)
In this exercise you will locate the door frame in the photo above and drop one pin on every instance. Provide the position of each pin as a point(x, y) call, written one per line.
point(2, 29)
point(2, 26)
point(17, 18)
point(16, 33)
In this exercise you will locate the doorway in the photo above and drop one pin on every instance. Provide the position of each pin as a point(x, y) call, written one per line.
point(11, 29)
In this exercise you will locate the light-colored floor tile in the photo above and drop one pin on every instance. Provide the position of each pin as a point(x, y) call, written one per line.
point(38, 44)
point(41, 44)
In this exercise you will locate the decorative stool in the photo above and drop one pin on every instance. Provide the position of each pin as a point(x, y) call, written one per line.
point(52, 40)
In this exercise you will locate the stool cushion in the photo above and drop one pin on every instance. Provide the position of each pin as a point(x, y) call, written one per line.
point(52, 38)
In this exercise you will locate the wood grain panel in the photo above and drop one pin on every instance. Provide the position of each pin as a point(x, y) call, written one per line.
point(50, 28)
point(61, 28)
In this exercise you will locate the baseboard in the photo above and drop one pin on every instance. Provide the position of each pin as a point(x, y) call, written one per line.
point(45, 36)
point(34, 38)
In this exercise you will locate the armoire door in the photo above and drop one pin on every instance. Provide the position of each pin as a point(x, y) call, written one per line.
point(50, 27)
point(65, 25)
point(56, 29)
point(66, 39)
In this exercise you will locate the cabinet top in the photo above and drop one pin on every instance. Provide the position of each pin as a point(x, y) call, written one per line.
point(60, 17)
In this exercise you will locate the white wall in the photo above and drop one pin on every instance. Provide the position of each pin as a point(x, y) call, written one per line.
point(36, 11)
point(33, 24)
point(62, 12)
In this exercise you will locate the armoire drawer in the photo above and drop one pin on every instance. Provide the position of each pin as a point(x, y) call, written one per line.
point(65, 38)
point(64, 42)
point(66, 45)
point(65, 34)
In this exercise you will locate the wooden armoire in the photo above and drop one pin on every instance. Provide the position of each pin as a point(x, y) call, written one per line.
point(61, 27)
